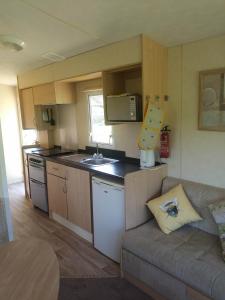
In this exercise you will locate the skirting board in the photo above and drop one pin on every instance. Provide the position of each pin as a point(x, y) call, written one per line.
point(76, 229)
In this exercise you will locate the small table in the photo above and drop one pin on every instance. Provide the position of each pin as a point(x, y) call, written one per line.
point(29, 270)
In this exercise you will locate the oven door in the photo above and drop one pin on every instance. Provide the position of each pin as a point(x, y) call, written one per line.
point(38, 192)
point(37, 172)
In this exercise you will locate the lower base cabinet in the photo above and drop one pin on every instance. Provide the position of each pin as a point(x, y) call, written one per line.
point(57, 195)
point(78, 198)
point(69, 195)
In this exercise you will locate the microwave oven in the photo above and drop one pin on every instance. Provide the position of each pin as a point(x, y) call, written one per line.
point(124, 108)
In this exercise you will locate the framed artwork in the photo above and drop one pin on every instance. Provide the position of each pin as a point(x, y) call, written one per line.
point(212, 100)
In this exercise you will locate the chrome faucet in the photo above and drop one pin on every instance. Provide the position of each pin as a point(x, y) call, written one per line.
point(97, 149)
point(97, 155)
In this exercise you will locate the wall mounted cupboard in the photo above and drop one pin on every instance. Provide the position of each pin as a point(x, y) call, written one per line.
point(54, 93)
point(121, 53)
point(27, 108)
point(140, 50)
point(137, 65)
point(34, 100)
point(148, 78)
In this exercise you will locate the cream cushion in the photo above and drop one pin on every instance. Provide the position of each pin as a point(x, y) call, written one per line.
point(173, 210)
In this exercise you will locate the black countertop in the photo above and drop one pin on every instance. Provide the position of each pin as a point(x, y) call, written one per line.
point(29, 150)
point(118, 170)
point(112, 171)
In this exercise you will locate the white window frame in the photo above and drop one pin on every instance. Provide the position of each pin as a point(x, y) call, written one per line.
point(111, 142)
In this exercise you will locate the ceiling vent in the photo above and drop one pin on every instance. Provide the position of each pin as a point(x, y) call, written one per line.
point(53, 56)
point(10, 42)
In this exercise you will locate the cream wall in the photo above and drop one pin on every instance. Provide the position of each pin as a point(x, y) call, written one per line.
point(10, 133)
point(195, 155)
point(65, 133)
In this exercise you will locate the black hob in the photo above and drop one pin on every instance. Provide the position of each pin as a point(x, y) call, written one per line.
point(52, 152)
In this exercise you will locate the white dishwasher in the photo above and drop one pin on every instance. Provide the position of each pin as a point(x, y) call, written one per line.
point(108, 217)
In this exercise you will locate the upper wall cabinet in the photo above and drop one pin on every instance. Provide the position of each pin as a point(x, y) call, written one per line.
point(27, 108)
point(125, 80)
point(54, 93)
point(118, 54)
point(36, 77)
point(149, 78)
point(141, 53)
point(154, 72)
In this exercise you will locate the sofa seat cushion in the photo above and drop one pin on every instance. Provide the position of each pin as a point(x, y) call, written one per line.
point(189, 254)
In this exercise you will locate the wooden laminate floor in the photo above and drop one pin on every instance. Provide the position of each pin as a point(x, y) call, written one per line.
point(77, 258)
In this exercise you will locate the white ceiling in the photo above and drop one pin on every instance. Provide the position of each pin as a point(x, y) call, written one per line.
point(68, 27)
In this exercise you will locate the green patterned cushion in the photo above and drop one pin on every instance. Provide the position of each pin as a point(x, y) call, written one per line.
point(218, 212)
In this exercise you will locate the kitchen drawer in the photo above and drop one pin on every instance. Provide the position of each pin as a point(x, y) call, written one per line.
point(56, 169)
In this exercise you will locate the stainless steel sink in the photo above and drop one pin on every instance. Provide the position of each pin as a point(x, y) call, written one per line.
point(88, 160)
point(98, 161)
point(75, 157)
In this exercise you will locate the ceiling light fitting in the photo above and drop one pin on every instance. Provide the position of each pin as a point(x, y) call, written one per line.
point(12, 43)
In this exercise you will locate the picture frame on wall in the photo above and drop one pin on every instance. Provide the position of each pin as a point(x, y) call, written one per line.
point(212, 100)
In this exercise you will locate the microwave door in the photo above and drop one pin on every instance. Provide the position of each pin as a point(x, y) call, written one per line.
point(118, 109)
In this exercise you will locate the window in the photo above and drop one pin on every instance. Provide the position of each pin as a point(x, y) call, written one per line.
point(29, 136)
point(99, 132)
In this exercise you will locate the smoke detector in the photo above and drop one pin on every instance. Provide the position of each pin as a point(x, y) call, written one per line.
point(10, 42)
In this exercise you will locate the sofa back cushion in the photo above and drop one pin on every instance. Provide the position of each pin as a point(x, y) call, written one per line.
point(200, 195)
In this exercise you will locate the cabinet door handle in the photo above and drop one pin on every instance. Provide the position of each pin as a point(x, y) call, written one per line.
point(64, 189)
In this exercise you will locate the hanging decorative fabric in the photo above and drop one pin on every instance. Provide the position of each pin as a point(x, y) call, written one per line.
point(150, 130)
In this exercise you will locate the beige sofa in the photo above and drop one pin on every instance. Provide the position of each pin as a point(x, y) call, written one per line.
point(184, 265)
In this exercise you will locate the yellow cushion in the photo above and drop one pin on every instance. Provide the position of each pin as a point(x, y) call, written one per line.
point(173, 210)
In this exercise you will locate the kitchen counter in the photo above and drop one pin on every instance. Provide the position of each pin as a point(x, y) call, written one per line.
point(117, 170)
point(30, 149)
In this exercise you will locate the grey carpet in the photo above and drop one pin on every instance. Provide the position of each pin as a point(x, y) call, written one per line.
point(99, 289)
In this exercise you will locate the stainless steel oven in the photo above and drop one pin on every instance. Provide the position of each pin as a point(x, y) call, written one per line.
point(38, 183)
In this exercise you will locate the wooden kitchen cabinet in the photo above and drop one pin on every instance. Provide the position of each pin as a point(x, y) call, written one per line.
point(78, 198)
point(124, 80)
point(57, 199)
point(70, 197)
point(27, 108)
point(148, 78)
point(69, 194)
point(54, 93)
point(154, 72)
point(56, 169)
